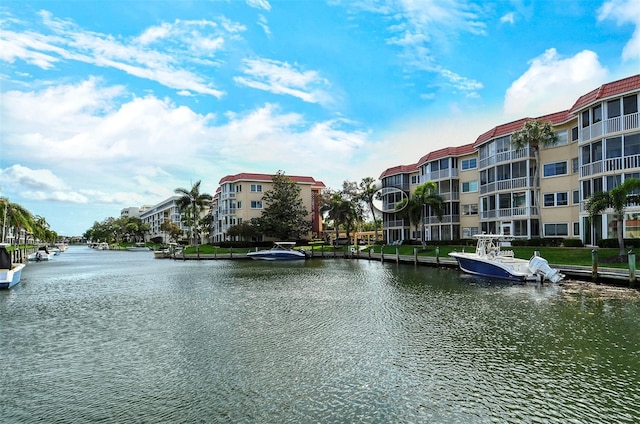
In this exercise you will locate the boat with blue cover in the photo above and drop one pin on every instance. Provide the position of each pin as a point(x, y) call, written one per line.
point(490, 260)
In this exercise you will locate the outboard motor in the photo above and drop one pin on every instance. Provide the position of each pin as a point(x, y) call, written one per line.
point(540, 266)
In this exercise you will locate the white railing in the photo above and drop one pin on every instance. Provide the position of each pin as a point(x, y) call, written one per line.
point(610, 165)
point(609, 126)
point(507, 185)
point(507, 156)
point(524, 211)
point(443, 173)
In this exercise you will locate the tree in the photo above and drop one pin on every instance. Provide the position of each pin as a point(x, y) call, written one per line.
point(535, 134)
point(244, 230)
point(18, 218)
point(285, 216)
point(367, 195)
point(193, 201)
point(425, 196)
point(171, 229)
point(617, 198)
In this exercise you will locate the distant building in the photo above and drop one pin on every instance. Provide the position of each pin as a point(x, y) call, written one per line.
point(134, 211)
point(157, 214)
point(239, 199)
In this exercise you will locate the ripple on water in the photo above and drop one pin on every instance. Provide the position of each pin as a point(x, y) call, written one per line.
point(120, 337)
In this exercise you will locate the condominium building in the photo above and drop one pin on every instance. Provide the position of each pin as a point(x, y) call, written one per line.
point(489, 186)
point(156, 215)
point(239, 198)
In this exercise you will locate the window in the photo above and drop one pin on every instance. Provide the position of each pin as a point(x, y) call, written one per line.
point(632, 144)
point(563, 139)
point(556, 229)
point(596, 151)
point(586, 155)
point(470, 186)
point(469, 164)
point(630, 104)
point(519, 199)
point(554, 169)
point(469, 232)
point(585, 119)
point(576, 228)
point(562, 199)
point(256, 204)
point(556, 199)
point(574, 165)
point(549, 200)
point(597, 114)
point(576, 197)
point(256, 188)
point(238, 188)
point(574, 134)
point(614, 147)
point(470, 209)
point(415, 179)
point(613, 108)
point(239, 204)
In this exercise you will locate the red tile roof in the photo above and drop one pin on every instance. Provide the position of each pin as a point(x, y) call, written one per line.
point(246, 176)
point(400, 169)
point(607, 90)
point(446, 152)
point(555, 118)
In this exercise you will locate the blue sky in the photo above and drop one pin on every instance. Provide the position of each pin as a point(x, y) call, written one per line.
point(109, 104)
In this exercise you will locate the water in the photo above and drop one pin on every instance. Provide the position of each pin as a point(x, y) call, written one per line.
point(113, 337)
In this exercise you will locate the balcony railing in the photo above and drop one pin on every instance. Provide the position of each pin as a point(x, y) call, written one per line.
point(515, 183)
point(609, 126)
point(516, 212)
point(446, 219)
point(507, 156)
point(443, 173)
point(610, 165)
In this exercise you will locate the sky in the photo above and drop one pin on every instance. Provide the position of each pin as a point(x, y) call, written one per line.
point(110, 104)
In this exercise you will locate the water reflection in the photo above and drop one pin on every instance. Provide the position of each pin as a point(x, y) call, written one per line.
point(119, 336)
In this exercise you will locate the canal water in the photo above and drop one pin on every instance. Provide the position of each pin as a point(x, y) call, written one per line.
point(120, 337)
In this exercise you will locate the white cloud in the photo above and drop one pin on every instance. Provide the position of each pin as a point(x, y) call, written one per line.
point(179, 45)
point(624, 12)
point(552, 83)
point(282, 78)
point(259, 4)
point(34, 179)
point(509, 18)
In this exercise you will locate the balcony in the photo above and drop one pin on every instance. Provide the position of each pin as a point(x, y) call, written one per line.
point(228, 195)
point(507, 156)
point(442, 174)
point(517, 212)
point(516, 183)
point(609, 126)
point(446, 219)
point(610, 165)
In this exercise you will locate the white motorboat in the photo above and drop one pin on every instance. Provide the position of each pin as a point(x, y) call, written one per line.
point(281, 250)
point(42, 254)
point(490, 260)
point(10, 272)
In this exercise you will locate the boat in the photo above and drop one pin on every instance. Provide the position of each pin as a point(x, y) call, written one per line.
point(168, 251)
point(42, 254)
point(139, 247)
point(10, 272)
point(490, 260)
point(281, 250)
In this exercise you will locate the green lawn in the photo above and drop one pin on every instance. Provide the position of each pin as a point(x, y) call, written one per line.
point(555, 255)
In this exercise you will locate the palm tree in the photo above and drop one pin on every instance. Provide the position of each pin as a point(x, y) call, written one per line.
point(194, 201)
point(425, 195)
point(535, 134)
point(617, 198)
point(367, 194)
point(18, 218)
point(340, 211)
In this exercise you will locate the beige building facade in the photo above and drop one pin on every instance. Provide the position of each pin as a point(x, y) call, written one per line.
point(239, 198)
point(490, 187)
